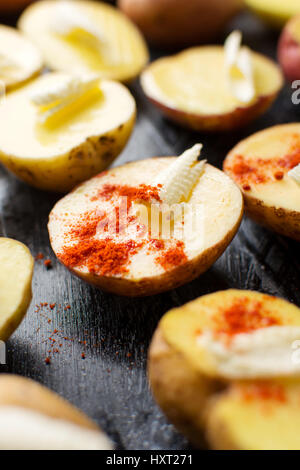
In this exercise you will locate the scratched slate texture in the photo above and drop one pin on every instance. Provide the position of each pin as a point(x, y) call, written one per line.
point(102, 339)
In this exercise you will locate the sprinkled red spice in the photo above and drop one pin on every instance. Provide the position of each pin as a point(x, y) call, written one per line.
point(48, 263)
point(142, 192)
point(109, 256)
point(174, 256)
point(279, 175)
point(104, 257)
point(88, 229)
point(82, 355)
point(266, 391)
point(157, 244)
point(262, 170)
point(244, 316)
point(246, 187)
point(48, 360)
point(39, 256)
point(291, 160)
point(52, 306)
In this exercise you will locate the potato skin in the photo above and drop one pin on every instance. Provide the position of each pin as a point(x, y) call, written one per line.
point(176, 23)
point(289, 51)
point(238, 118)
point(64, 172)
point(280, 220)
point(25, 393)
point(169, 280)
point(180, 391)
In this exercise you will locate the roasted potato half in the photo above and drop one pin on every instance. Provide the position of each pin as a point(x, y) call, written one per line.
point(260, 165)
point(225, 370)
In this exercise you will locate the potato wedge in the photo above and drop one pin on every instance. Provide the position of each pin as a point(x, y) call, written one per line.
point(222, 370)
point(177, 23)
point(259, 165)
point(35, 418)
point(20, 60)
point(122, 255)
point(15, 285)
point(191, 89)
point(86, 37)
point(56, 156)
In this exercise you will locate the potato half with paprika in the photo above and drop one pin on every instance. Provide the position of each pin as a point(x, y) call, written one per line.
point(264, 166)
point(35, 418)
point(120, 232)
point(15, 285)
point(225, 370)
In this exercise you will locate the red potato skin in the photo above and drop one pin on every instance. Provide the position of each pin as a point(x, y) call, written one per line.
point(178, 23)
point(289, 53)
point(238, 118)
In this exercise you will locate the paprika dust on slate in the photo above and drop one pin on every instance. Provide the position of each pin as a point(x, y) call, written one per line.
point(111, 255)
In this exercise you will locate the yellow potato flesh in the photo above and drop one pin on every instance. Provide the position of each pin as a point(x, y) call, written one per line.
point(294, 28)
point(273, 144)
point(269, 419)
point(195, 81)
point(16, 270)
point(121, 56)
point(74, 144)
point(276, 11)
point(26, 60)
point(182, 326)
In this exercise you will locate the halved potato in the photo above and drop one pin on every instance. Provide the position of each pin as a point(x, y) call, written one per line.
point(56, 156)
point(252, 416)
point(222, 368)
point(275, 12)
point(259, 165)
point(191, 89)
point(20, 60)
point(65, 33)
point(16, 270)
point(35, 418)
point(122, 256)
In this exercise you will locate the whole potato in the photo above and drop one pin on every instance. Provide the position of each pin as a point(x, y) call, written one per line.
point(175, 23)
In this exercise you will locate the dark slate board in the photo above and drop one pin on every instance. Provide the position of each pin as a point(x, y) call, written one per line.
point(110, 383)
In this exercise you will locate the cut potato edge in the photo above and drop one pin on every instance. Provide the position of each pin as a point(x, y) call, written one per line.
point(16, 281)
